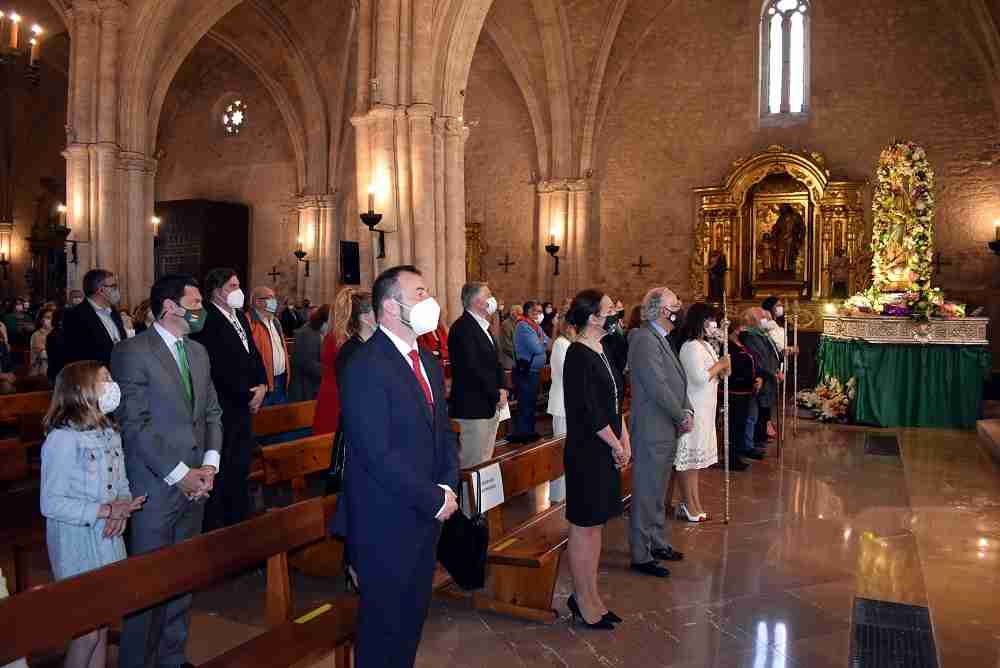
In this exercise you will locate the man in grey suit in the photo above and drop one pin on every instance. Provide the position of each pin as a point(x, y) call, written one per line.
point(660, 413)
point(172, 434)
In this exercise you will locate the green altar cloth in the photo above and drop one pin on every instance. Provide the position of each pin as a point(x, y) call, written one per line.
point(909, 385)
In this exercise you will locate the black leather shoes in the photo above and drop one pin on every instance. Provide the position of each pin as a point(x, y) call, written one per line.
point(651, 568)
point(669, 554)
point(737, 464)
point(753, 454)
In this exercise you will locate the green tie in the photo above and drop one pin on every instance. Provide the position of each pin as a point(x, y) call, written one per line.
point(182, 359)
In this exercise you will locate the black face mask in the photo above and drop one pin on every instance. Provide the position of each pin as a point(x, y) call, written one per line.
point(611, 321)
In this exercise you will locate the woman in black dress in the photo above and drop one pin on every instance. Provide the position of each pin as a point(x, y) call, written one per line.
point(597, 446)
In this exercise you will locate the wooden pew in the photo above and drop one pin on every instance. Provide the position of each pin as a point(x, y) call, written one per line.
point(273, 420)
point(44, 619)
point(523, 562)
point(292, 462)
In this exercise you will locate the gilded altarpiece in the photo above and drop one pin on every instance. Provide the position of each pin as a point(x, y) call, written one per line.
point(779, 225)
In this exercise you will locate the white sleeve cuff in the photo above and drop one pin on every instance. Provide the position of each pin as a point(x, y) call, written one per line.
point(446, 488)
point(211, 458)
point(177, 474)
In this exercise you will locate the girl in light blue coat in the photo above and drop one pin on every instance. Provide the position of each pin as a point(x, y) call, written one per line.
point(85, 495)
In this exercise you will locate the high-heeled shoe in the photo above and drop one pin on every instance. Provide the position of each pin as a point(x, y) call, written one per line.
point(683, 514)
point(601, 624)
point(612, 617)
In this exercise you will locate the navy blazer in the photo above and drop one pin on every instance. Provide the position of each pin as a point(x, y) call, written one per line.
point(398, 452)
point(476, 374)
point(85, 336)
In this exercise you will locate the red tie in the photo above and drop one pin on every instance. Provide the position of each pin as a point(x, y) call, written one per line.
point(415, 360)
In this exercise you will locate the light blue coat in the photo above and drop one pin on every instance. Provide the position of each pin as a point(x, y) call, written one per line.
point(80, 471)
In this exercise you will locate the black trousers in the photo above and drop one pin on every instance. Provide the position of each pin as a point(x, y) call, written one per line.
point(229, 502)
point(760, 429)
point(739, 413)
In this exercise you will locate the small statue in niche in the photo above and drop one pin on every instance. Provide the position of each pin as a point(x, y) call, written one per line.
point(788, 232)
point(840, 273)
point(766, 250)
point(717, 268)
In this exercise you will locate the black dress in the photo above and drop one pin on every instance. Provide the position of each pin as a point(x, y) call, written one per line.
point(593, 395)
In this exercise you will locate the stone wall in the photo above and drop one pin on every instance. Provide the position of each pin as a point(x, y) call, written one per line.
point(200, 161)
point(881, 70)
point(500, 157)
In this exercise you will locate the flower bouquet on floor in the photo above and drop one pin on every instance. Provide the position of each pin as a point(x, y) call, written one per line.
point(829, 401)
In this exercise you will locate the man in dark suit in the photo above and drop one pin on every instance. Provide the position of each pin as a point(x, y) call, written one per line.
point(402, 470)
point(93, 327)
point(768, 360)
point(477, 393)
point(241, 382)
point(171, 433)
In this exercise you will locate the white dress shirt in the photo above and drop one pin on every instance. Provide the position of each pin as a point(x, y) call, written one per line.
point(277, 347)
point(211, 457)
point(484, 323)
point(404, 349)
point(104, 314)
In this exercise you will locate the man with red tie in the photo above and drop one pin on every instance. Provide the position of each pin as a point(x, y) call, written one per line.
point(401, 473)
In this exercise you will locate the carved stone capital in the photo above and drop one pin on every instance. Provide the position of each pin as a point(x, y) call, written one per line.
point(130, 161)
point(321, 201)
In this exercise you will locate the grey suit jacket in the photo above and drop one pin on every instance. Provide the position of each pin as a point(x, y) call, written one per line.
point(659, 388)
point(160, 428)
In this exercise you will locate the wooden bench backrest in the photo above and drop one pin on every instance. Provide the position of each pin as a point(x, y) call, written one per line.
point(294, 460)
point(13, 406)
point(47, 617)
point(13, 460)
point(288, 417)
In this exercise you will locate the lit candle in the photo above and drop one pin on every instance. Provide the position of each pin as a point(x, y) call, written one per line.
point(35, 41)
point(14, 20)
point(371, 199)
point(996, 230)
point(300, 243)
point(62, 214)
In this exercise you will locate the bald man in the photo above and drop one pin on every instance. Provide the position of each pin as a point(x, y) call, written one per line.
point(768, 360)
point(270, 340)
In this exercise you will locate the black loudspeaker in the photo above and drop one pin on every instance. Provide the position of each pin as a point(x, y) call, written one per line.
point(350, 263)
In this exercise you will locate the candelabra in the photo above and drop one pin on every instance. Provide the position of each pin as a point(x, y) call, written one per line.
point(19, 74)
point(551, 248)
point(300, 255)
point(371, 219)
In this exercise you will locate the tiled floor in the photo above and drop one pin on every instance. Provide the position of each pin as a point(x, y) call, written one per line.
point(775, 587)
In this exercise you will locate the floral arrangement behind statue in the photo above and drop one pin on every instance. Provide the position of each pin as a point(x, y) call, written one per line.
point(830, 399)
point(903, 240)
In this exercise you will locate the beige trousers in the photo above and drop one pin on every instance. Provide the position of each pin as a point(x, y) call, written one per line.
point(478, 438)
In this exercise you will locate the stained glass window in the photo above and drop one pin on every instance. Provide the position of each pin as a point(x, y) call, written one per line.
point(234, 117)
point(784, 60)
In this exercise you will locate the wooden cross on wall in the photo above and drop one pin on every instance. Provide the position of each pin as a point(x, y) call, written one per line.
point(506, 264)
point(274, 274)
point(640, 265)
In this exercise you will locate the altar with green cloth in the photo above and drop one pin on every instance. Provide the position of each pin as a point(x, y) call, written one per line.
point(908, 374)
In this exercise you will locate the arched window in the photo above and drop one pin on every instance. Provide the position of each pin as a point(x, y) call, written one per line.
point(784, 59)
point(234, 117)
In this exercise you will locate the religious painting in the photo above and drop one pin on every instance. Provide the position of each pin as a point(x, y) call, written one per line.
point(779, 229)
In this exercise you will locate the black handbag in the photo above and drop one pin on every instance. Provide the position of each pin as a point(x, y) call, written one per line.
point(338, 459)
point(464, 544)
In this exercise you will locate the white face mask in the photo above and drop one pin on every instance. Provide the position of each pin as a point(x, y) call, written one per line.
point(423, 316)
point(539, 318)
point(110, 396)
point(491, 305)
point(271, 305)
point(235, 299)
point(779, 311)
point(711, 324)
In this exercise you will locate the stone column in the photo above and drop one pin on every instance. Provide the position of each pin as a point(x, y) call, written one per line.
point(327, 251)
point(107, 83)
point(308, 228)
point(563, 210)
point(128, 250)
point(78, 208)
point(423, 175)
point(456, 133)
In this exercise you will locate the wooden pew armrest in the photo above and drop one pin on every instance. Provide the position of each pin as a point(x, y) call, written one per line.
point(293, 644)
